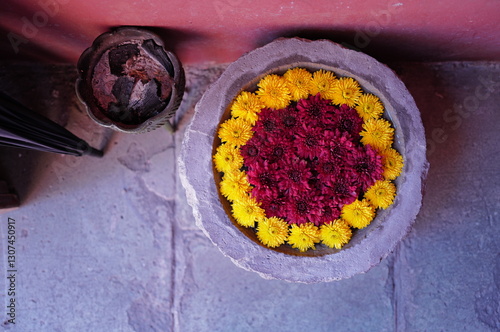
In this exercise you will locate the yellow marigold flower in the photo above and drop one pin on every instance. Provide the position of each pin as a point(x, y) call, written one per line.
point(369, 106)
point(299, 82)
point(346, 91)
point(323, 83)
point(335, 233)
point(378, 133)
point(272, 232)
point(247, 106)
point(228, 158)
point(392, 163)
point(247, 211)
point(235, 131)
point(381, 194)
point(273, 91)
point(358, 214)
point(234, 185)
point(304, 236)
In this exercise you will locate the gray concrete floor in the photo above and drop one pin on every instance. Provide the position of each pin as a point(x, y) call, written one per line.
point(110, 244)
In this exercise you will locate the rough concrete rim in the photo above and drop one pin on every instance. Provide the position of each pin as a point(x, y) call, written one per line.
point(195, 163)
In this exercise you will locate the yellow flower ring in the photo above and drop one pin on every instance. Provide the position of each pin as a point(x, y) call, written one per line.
point(274, 92)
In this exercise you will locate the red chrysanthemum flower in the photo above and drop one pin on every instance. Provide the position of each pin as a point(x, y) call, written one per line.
point(339, 145)
point(251, 153)
point(273, 205)
point(344, 190)
point(314, 109)
point(289, 119)
point(275, 151)
point(262, 176)
point(293, 174)
point(348, 120)
point(309, 142)
point(314, 183)
point(303, 208)
point(268, 122)
point(329, 212)
point(277, 148)
point(367, 167)
point(328, 170)
point(261, 193)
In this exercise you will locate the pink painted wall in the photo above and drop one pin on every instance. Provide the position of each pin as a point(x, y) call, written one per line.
point(222, 30)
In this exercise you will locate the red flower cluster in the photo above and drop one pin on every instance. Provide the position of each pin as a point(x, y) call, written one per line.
point(306, 161)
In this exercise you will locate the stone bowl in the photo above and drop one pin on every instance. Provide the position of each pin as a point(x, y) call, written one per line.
point(368, 246)
point(129, 82)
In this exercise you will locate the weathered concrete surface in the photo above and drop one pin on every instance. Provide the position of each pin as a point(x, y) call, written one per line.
point(93, 248)
point(84, 268)
point(367, 247)
point(450, 264)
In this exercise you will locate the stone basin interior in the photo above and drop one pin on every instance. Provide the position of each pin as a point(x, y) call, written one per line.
point(357, 234)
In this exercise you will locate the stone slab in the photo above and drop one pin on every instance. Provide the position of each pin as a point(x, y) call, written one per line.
point(449, 266)
point(216, 295)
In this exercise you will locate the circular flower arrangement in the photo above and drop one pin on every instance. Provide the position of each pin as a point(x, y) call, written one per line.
point(306, 158)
